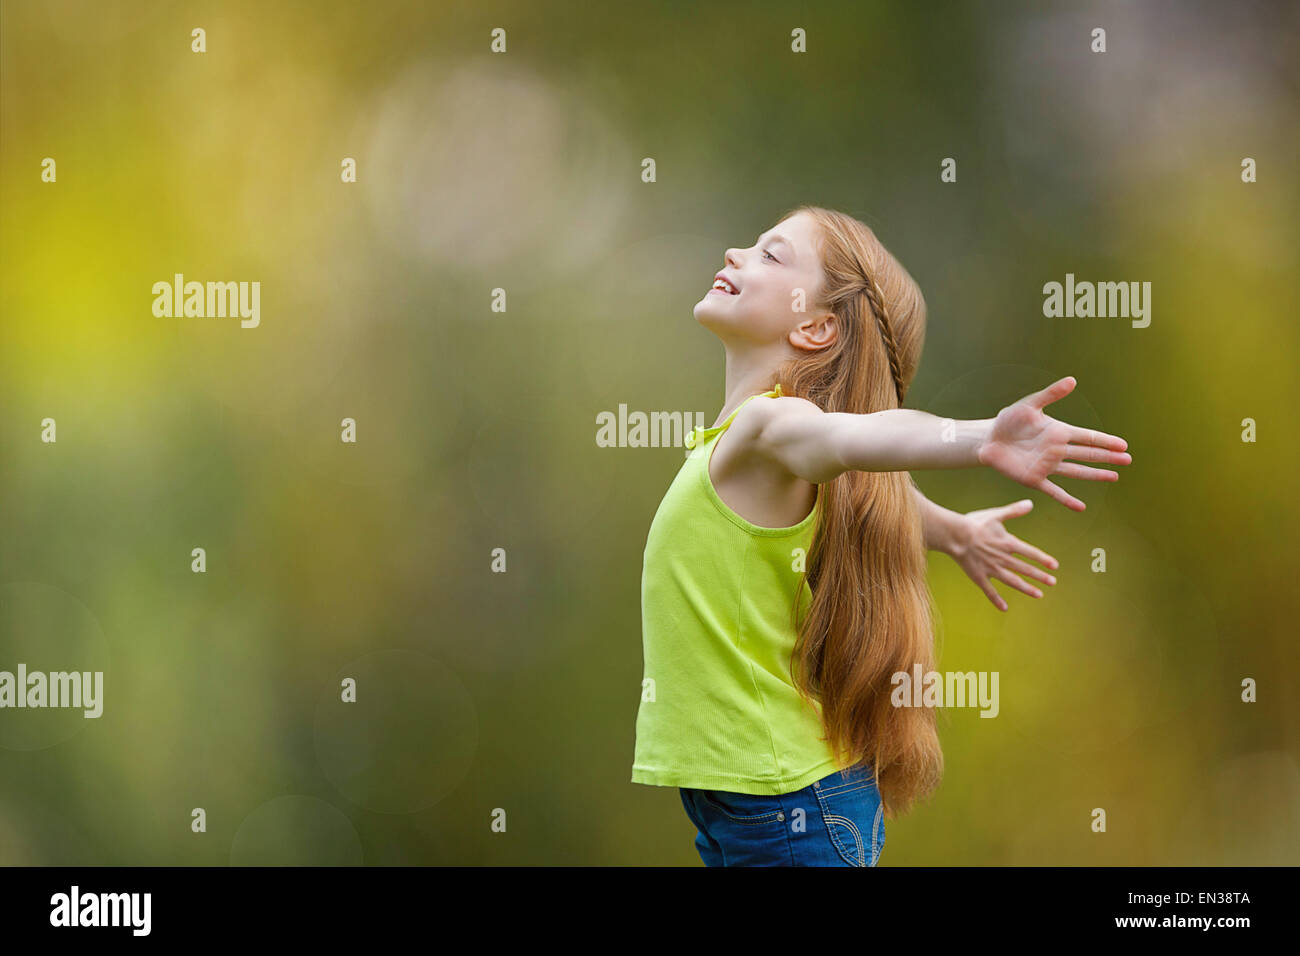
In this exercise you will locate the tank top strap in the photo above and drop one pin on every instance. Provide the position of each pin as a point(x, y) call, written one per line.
point(699, 436)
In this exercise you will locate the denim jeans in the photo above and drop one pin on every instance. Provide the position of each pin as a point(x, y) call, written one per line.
point(835, 821)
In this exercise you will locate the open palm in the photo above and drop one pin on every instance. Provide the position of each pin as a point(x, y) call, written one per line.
point(1027, 445)
point(985, 549)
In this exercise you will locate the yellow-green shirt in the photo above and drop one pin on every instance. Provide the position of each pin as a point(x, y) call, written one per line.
point(719, 710)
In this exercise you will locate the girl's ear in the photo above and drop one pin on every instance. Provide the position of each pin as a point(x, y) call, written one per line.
point(815, 332)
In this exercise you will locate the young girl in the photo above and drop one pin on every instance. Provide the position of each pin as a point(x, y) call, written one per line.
point(784, 576)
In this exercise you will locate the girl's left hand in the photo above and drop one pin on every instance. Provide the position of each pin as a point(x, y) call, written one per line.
point(985, 549)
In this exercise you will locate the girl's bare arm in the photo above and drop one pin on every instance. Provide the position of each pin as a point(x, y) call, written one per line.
point(1022, 442)
point(939, 524)
point(819, 446)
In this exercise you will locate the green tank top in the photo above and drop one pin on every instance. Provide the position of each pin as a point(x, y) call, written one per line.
point(719, 710)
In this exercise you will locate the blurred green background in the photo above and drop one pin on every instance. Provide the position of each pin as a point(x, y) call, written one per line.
point(476, 429)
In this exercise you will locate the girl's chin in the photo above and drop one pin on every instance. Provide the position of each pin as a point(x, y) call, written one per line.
point(707, 307)
point(717, 324)
point(705, 315)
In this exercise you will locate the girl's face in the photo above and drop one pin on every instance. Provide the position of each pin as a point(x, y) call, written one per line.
point(759, 308)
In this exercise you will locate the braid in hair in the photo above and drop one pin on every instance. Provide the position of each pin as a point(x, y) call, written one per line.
point(877, 301)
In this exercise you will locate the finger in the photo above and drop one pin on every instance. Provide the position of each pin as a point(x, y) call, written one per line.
point(1064, 497)
point(1054, 392)
point(1070, 470)
point(1015, 510)
point(1006, 576)
point(992, 593)
point(1093, 453)
point(1023, 567)
point(1090, 436)
point(1029, 551)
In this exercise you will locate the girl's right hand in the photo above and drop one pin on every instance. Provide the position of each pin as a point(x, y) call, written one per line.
point(1027, 445)
point(985, 549)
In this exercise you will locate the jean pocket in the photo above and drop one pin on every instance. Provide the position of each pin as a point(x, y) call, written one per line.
point(744, 808)
point(854, 818)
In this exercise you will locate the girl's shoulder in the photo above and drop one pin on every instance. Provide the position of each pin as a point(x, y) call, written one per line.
point(760, 413)
point(754, 415)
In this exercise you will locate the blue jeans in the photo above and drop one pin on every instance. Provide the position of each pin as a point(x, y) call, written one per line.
point(836, 821)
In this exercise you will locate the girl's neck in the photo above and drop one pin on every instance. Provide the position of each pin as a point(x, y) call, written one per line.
point(748, 373)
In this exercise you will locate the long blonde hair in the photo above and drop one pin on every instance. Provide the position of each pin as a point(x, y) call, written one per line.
point(872, 613)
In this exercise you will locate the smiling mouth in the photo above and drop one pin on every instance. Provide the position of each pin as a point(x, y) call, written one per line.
point(723, 287)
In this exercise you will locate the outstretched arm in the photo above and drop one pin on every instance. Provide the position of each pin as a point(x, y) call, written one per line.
point(1022, 442)
point(939, 525)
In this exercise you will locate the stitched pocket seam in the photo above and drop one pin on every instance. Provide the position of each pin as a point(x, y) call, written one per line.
point(844, 788)
point(751, 820)
point(876, 842)
point(830, 819)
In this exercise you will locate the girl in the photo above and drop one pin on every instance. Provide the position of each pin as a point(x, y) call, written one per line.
point(784, 576)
